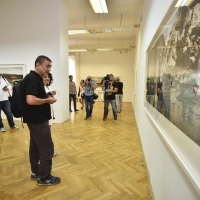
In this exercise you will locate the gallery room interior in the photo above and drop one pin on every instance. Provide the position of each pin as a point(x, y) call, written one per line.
point(170, 146)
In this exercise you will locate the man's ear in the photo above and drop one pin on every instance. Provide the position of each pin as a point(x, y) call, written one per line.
point(37, 65)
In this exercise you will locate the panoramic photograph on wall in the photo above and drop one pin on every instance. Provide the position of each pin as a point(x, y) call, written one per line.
point(173, 71)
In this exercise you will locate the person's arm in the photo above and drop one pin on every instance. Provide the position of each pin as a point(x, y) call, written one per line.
point(8, 85)
point(33, 100)
point(112, 91)
point(103, 84)
point(93, 85)
point(83, 84)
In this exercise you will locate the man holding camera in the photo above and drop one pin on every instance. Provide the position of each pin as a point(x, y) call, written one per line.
point(5, 86)
point(90, 86)
point(109, 97)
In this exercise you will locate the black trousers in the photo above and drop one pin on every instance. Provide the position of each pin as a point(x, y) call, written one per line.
point(41, 149)
point(73, 96)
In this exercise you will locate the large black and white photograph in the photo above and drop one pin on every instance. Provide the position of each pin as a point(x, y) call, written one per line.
point(173, 71)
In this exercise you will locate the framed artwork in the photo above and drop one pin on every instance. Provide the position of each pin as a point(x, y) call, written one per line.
point(13, 72)
point(97, 80)
point(173, 86)
point(173, 69)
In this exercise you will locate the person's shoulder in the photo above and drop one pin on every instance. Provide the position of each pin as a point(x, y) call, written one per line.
point(115, 84)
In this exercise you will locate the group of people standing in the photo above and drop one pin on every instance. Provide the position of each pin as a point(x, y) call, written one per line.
point(113, 94)
point(37, 99)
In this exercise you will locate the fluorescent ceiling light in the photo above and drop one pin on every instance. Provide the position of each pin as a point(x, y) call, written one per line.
point(99, 6)
point(181, 3)
point(118, 29)
point(105, 49)
point(77, 50)
point(72, 32)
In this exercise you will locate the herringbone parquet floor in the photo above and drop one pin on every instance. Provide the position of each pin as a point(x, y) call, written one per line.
point(99, 160)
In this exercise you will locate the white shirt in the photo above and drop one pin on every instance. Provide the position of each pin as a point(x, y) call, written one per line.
point(47, 89)
point(4, 94)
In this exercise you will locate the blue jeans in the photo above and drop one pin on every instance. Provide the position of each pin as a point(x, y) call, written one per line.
point(41, 149)
point(5, 106)
point(88, 105)
point(114, 109)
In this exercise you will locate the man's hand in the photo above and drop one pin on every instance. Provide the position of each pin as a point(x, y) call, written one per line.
point(53, 92)
point(5, 88)
point(51, 100)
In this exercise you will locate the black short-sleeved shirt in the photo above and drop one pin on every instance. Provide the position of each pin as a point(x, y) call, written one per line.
point(120, 88)
point(111, 96)
point(34, 114)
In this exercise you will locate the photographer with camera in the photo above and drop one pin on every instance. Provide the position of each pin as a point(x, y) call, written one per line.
point(110, 88)
point(89, 86)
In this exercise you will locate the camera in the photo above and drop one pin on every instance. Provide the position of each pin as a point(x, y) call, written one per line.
point(106, 78)
point(89, 79)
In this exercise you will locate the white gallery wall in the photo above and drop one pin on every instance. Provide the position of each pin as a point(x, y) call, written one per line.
point(111, 62)
point(169, 177)
point(33, 28)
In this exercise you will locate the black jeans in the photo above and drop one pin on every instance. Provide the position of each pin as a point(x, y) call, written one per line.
point(73, 96)
point(41, 149)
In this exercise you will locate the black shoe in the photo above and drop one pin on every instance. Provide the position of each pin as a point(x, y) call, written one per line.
point(86, 117)
point(34, 176)
point(76, 110)
point(115, 118)
point(70, 110)
point(52, 180)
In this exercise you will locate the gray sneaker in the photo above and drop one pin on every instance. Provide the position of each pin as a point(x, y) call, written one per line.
point(52, 180)
point(2, 130)
point(15, 127)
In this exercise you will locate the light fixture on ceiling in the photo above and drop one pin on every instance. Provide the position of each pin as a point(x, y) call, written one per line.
point(99, 6)
point(182, 3)
point(105, 49)
point(117, 29)
point(77, 50)
point(77, 31)
point(97, 30)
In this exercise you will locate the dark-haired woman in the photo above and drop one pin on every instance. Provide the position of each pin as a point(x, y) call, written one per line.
point(47, 81)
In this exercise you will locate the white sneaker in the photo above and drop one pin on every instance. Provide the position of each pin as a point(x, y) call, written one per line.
point(15, 127)
point(2, 130)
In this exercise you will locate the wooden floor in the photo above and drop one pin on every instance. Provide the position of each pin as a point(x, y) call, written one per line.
point(98, 160)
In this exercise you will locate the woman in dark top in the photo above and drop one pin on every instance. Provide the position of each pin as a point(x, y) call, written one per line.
point(119, 95)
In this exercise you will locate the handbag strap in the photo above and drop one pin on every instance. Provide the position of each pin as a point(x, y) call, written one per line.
point(7, 82)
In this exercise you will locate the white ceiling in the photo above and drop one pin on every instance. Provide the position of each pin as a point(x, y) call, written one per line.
point(121, 13)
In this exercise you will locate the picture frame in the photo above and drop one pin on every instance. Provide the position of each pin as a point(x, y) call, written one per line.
point(172, 82)
point(13, 72)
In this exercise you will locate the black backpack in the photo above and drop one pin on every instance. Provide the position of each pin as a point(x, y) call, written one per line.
point(16, 102)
